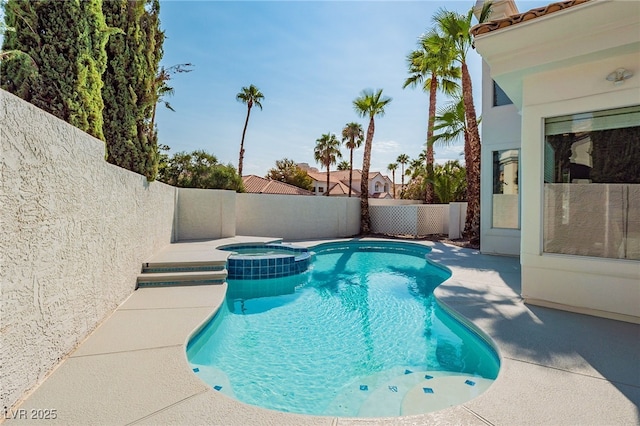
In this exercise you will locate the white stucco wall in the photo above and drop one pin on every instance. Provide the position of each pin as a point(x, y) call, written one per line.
point(74, 231)
point(605, 287)
point(205, 214)
point(381, 182)
point(296, 217)
point(500, 131)
point(545, 78)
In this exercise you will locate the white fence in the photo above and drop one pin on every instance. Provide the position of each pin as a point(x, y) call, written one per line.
point(421, 219)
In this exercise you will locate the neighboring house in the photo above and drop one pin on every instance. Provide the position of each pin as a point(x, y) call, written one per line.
point(566, 107)
point(259, 185)
point(380, 186)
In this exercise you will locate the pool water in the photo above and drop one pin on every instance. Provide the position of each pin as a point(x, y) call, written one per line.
point(358, 334)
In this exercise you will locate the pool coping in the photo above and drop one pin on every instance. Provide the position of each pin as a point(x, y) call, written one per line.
point(555, 366)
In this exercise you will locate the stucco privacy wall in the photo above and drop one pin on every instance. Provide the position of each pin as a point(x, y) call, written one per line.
point(74, 231)
point(297, 217)
point(205, 213)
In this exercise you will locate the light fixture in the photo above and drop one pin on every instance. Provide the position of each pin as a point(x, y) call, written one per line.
point(619, 76)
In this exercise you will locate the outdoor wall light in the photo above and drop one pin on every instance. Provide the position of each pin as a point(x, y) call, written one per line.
point(619, 76)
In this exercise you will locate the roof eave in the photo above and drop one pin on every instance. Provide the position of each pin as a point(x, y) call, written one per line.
point(532, 46)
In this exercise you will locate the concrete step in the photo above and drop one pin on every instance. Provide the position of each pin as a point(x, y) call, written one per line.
point(159, 279)
point(197, 265)
point(150, 268)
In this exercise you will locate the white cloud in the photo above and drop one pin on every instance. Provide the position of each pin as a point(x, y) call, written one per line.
point(385, 147)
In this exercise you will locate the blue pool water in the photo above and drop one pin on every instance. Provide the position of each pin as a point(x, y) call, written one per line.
point(358, 334)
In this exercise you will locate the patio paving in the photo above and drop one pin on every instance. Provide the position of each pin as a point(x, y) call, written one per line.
point(557, 368)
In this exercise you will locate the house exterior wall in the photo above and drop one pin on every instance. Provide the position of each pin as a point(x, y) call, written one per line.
point(383, 185)
point(545, 79)
point(599, 286)
point(500, 131)
point(74, 233)
point(383, 181)
point(319, 184)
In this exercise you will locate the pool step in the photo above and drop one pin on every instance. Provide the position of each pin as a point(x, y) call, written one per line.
point(182, 267)
point(442, 392)
point(177, 276)
point(420, 392)
point(404, 392)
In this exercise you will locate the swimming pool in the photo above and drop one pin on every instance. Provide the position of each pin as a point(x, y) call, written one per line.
point(358, 334)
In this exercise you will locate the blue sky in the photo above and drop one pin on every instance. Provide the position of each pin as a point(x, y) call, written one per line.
point(310, 59)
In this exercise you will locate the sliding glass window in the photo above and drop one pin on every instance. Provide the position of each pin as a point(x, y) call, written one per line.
point(592, 184)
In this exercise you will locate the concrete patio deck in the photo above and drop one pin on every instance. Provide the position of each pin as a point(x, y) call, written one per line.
point(557, 368)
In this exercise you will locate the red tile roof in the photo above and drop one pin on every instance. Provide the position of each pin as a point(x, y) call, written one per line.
point(258, 185)
point(335, 175)
point(522, 17)
point(382, 195)
point(340, 188)
point(341, 175)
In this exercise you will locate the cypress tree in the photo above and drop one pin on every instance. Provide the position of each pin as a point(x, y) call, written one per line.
point(130, 91)
point(66, 40)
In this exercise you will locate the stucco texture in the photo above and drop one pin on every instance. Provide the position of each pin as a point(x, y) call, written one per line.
point(296, 217)
point(205, 214)
point(74, 233)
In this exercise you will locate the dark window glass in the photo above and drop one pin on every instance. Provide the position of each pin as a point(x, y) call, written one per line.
point(506, 209)
point(499, 97)
point(592, 184)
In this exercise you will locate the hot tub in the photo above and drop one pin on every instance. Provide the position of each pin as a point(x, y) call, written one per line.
point(261, 261)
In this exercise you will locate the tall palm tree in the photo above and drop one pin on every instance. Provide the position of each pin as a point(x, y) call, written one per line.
point(454, 28)
point(402, 160)
point(352, 137)
point(450, 123)
point(327, 152)
point(392, 168)
point(250, 96)
point(344, 165)
point(431, 66)
point(417, 167)
point(369, 104)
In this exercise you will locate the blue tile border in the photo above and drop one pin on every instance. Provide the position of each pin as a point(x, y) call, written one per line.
point(273, 265)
